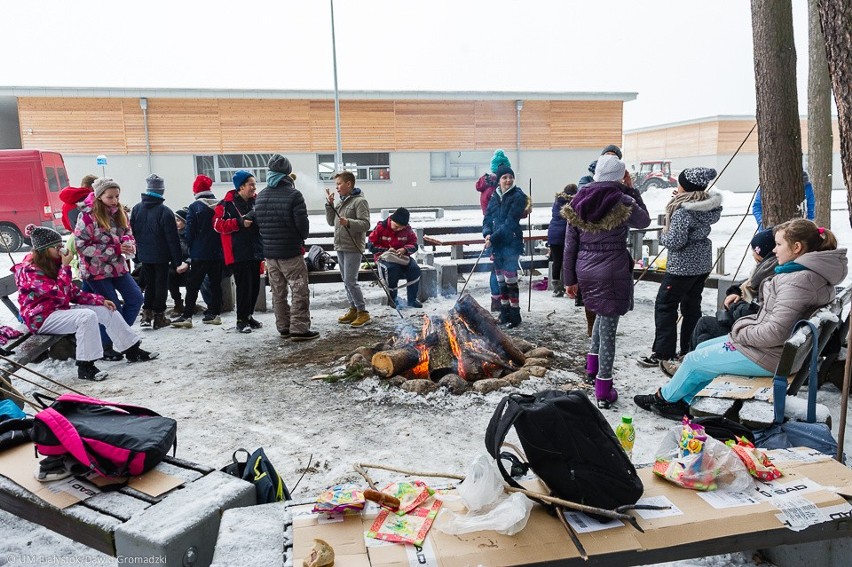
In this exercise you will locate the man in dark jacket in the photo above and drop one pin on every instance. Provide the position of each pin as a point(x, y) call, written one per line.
point(157, 246)
point(233, 219)
point(205, 253)
point(282, 217)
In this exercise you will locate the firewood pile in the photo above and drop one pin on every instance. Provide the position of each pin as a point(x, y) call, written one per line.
point(464, 350)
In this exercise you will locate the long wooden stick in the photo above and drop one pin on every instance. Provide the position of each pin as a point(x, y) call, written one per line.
point(13, 392)
point(844, 397)
point(40, 375)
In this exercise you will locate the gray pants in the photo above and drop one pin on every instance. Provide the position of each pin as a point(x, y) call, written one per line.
point(349, 264)
point(603, 343)
point(285, 276)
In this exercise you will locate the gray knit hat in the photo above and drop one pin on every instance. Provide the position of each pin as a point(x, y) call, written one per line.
point(155, 186)
point(42, 237)
point(279, 164)
point(609, 168)
point(101, 184)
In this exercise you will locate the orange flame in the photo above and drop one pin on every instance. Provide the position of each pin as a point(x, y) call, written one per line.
point(454, 346)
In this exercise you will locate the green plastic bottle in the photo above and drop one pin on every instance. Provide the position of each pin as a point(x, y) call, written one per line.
point(626, 435)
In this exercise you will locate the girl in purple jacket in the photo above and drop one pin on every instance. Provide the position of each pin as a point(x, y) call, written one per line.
point(598, 264)
point(45, 294)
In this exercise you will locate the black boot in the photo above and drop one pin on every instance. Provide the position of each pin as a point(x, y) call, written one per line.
point(161, 321)
point(136, 354)
point(504, 315)
point(86, 370)
point(111, 355)
point(514, 317)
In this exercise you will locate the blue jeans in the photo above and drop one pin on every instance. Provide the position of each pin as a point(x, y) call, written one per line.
point(712, 358)
point(131, 298)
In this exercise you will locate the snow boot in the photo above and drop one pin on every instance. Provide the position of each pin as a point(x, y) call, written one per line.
point(514, 317)
point(136, 354)
point(147, 318)
point(605, 394)
point(591, 368)
point(161, 321)
point(177, 310)
point(86, 370)
point(590, 321)
point(558, 288)
point(495, 304)
point(361, 319)
point(504, 314)
point(348, 317)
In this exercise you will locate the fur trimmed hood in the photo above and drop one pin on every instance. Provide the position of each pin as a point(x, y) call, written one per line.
point(713, 200)
point(616, 217)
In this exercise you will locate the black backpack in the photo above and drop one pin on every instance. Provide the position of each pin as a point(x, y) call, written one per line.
point(569, 445)
point(319, 260)
point(258, 470)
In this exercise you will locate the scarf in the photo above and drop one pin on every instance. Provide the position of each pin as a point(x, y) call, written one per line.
point(678, 201)
point(273, 177)
point(789, 268)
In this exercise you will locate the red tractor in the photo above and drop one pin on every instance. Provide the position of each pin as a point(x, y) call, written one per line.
point(654, 174)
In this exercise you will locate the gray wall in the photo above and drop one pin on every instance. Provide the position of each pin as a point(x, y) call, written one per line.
point(10, 131)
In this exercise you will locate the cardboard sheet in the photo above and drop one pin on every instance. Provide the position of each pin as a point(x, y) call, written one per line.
point(734, 387)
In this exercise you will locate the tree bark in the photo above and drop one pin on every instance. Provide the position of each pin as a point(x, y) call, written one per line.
point(836, 20)
point(820, 141)
point(779, 132)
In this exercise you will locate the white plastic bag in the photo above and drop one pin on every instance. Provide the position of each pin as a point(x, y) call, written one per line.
point(508, 516)
point(482, 485)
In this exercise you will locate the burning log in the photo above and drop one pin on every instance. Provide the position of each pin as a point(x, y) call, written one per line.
point(481, 322)
point(395, 361)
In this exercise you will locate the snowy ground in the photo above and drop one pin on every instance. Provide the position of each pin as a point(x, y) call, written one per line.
point(229, 390)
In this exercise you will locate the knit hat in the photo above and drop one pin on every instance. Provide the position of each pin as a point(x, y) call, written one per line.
point(614, 149)
point(279, 164)
point(609, 168)
point(592, 167)
point(503, 170)
point(101, 184)
point(42, 237)
point(241, 177)
point(400, 216)
point(696, 178)
point(201, 184)
point(763, 243)
point(499, 159)
point(156, 186)
point(181, 214)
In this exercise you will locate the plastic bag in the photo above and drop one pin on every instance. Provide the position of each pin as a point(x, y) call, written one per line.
point(482, 485)
point(692, 459)
point(508, 516)
point(756, 462)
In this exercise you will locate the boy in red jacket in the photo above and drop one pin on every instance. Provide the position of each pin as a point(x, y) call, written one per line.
point(392, 243)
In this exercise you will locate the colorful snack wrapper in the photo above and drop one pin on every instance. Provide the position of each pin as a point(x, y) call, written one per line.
point(410, 495)
point(338, 499)
point(409, 528)
point(756, 462)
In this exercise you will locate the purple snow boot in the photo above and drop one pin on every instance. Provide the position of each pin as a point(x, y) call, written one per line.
point(605, 393)
point(591, 368)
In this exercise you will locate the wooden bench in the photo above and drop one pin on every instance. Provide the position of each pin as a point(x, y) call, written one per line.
point(30, 347)
point(428, 280)
point(437, 211)
point(757, 412)
point(178, 527)
point(457, 242)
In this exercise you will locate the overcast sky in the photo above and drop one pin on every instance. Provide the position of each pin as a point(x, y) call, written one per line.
point(684, 59)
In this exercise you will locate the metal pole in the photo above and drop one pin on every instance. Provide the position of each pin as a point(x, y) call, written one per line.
point(519, 104)
point(844, 396)
point(532, 250)
point(338, 157)
point(143, 103)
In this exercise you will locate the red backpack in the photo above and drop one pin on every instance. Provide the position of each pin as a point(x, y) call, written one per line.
point(112, 439)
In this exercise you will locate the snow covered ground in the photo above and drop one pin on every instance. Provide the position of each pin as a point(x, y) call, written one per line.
point(228, 390)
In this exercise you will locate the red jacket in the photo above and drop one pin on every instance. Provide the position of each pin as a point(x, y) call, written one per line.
point(383, 238)
point(239, 244)
point(70, 196)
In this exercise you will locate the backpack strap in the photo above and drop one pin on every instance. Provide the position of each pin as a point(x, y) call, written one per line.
point(86, 400)
point(20, 424)
point(779, 383)
point(66, 434)
point(501, 422)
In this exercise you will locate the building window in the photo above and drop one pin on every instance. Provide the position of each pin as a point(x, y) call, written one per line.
point(366, 167)
point(52, 183)
point(459, 165)
point(222, 167)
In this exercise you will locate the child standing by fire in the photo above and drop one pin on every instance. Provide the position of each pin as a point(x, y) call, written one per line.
point(598, 263)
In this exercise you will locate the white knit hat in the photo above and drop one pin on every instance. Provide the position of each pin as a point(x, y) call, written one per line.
point(609, 168)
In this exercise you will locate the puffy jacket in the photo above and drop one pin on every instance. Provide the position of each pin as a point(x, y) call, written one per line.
point(356, 209)
point(203, 242)
point(486, 185)
point(157, 240)
point(40, 295)
point(71, 197)
point(239, 244)
point(596, 257)
point(502, 221)
point(810, 204)
point(99, 249)
point(690, 251)
point(383, 238)
point(556, 228)
point(787, 298)
point(282, 217)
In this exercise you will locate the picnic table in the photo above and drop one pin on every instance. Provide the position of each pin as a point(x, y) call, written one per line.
point(457, 242)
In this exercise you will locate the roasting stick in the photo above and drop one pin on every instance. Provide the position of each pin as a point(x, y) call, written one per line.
point(14, 393)
point(373, 493)
point(40, 375)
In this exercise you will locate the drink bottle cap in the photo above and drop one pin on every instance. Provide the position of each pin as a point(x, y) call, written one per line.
point(626, 419)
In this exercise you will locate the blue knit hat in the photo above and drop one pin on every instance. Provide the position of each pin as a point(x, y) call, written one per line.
point(499, 159)
point(241, 177)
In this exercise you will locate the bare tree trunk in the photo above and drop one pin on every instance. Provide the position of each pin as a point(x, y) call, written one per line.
point(820, 142)
point(779, 133)
point(836, 19)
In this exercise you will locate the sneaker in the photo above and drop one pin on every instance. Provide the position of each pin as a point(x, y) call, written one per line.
point(558, 293)
point(254, 323)
point(656, 404)
point(669, 367)
point(147, 318)
point(306, 336)
point(649, 361)
point(363, 318)
point(111, 355)
point(243, 327)
point(415, 304)
point(52, 468)
point(136, 354)
point(160, 321)
point(212, 320)
point(285, 334)
point(349, 316)
point(182, 322)
point(86, 370)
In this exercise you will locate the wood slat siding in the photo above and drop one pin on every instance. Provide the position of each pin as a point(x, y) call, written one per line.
point(112, 125)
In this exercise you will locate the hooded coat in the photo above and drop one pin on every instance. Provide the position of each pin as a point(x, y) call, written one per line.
point(787, 298)
point(690, 249)
point(72, 199)
point(203, 242)
point(596, 258)
point(239, 244)
point(556, 228)
point(99, 249)
point(157, 240)
point(282, 218)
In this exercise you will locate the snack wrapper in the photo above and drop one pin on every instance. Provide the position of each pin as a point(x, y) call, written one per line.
point(408, 528)
point(410, 495)
point(338, 499)
point(756, 462)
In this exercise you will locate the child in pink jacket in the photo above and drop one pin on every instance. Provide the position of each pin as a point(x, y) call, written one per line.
point(46, 294)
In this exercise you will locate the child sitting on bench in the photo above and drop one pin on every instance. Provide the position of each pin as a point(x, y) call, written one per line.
point(45, 294)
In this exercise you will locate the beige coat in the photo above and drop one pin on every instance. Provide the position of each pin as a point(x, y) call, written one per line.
point(356, 209)
point(787, 298)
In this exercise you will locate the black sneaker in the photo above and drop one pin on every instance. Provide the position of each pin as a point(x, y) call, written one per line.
point(285, 334)
point(243, 327)
point(86, 370)
point(415, 304)
point(306, 336)
point(136, 354)
point(656, 404)
point(649, 361)
point(254, 323)
point(111, 355)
